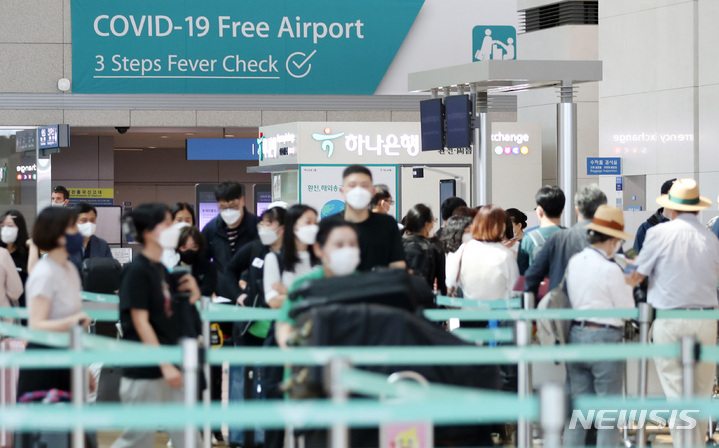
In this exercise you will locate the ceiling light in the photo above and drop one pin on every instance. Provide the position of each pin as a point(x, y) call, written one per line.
point(164, 136)
point(189, 133)
point(229, 135)
point(152, 147)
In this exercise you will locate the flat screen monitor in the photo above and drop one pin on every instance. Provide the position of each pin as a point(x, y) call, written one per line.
point(206, 206)
point(432, 121)
point(109, 226)
point(263, 198)
point(458, 113)
point(447, 189)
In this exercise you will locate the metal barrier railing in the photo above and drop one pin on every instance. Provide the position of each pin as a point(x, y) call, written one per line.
point(135, 354)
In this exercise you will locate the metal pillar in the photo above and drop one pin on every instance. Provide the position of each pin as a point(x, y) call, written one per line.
point(78, 375)
point(689, 356)
point(645, 320)
point(552, 413)
point(206, 395)
point(522, 338)
point(481, 155)
point(567, 149)
point(44, 182)
point(190, 370)
point(339, 433)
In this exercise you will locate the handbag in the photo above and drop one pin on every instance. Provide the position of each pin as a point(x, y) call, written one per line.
point(454, 291)
point(549, 331)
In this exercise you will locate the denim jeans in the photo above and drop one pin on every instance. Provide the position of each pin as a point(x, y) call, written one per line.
point(594, 378)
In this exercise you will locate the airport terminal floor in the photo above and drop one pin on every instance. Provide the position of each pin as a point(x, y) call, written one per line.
point(375, 224)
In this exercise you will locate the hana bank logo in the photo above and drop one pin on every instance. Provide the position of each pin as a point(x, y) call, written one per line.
point(327, 144)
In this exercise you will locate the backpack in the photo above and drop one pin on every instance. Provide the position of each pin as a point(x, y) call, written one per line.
point(554, 332)
point(538, 241)
point(419, 255)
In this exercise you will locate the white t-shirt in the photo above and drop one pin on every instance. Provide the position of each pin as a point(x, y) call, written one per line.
point(489, 270)
point(61, 285)
point(271, 273)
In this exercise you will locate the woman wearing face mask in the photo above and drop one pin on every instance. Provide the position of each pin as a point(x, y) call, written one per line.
point(170, 256)
point(519, 223)
point(182, 212)
point(424, 255)
point(53, 294)
point(457, 231)
point(14, 238)
point(337, 247)
point(595, 281)
point(151, 309)
point(382, 200)
point(248, 264)
point(190, 248)
point(484, 268)
point(295, 259)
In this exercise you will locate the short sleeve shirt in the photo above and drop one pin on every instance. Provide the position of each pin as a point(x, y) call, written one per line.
point(60, 284)
point(380, 242)
point(144, 287)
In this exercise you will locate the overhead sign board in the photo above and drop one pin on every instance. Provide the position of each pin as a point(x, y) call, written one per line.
point(345, 143)
point(236, 46)
point(604, 166)
point(222, 149)
point(94, 196)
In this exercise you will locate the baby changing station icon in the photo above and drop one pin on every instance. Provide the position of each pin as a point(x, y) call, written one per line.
point(494, 42)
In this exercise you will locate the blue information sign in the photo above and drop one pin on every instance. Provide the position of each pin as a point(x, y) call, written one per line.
point(236, 46)
point(610, 166)
point(222, 149)
point(620, 183)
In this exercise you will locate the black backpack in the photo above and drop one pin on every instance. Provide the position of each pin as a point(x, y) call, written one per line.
point(419, 255)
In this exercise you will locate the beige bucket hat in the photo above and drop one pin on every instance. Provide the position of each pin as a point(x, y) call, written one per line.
point(609, 221)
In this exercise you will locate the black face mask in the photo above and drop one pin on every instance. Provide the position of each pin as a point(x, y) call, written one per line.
point(189, 256)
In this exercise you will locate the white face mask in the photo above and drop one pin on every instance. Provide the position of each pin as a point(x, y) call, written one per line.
point(307, 234)
point(344, 261)
point(57, 204)
point(466, 238)
point(231, 216)
point(9, 234)
point(87, 229)
point(267, 236)
point(617, 248)
point(170, 237)
point(169, 258)
point(358, 198)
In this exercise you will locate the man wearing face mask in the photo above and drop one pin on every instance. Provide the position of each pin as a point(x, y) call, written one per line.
point(380, 243)
point(228, 233)
point(92, 245)
point(150, 312)
point(60, 197)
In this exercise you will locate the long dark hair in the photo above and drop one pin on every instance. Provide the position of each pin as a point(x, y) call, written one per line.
point(22, 235)
point(453, 231)
point(288, 255)
point(180, 206)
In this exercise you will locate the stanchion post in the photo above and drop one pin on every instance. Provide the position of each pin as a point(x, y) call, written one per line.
point(339, 433)
point(530, 303)
point(689, 355)
point(522, 337)
point(206, 396)
point(190, 369)
point(645, 321)
point(552, 413)
point(77, 386)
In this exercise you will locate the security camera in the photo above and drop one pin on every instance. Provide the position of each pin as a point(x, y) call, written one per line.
point(121, 129)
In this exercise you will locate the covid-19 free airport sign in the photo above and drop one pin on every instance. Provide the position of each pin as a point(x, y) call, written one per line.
point(236, 46)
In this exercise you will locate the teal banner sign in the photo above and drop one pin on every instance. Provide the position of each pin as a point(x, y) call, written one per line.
point(236, 46)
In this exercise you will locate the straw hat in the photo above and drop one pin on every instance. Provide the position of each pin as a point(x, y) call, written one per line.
point(684, 197)
point(609, 221)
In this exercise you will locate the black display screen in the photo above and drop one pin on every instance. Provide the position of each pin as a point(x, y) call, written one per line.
point(432, 119)
point(458, 114)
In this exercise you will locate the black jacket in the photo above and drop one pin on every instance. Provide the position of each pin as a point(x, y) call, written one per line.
point(219, 251)
point(250, 260)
